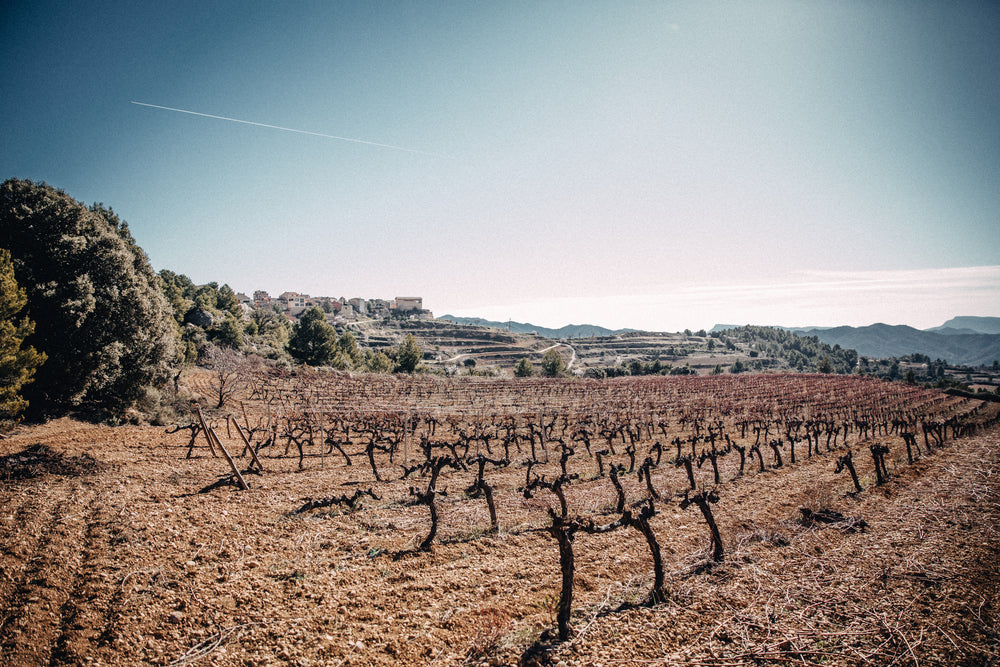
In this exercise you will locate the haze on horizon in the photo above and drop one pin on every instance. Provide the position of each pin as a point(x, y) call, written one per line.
point(661, 165)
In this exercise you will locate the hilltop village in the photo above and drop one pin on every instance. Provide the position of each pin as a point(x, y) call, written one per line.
point(338, 311)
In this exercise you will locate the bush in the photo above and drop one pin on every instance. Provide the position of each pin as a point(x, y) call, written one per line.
point(524, 368)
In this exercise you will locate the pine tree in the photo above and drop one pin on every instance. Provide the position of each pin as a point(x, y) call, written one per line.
point(408, 355)
point(524, 368)
point(553, 364)
point(17, 362)
point(313, 341)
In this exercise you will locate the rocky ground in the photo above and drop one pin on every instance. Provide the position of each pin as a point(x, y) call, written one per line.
point(110, 555)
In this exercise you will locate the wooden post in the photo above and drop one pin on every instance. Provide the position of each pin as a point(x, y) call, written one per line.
point(274, 434)
point(246, 420)
point(408, 434)
point(204, 427)
point(246, 441)
point(322, 443)
point(232, 464)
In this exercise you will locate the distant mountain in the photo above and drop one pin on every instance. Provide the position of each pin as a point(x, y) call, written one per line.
point(883, 340)
point(966, 341)
point(569, 331)
point(961, 325)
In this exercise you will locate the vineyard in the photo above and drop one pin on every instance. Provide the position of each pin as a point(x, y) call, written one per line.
point(329, 518)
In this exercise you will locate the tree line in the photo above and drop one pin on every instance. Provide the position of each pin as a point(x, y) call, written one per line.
point(87, 326)
point(210, 316)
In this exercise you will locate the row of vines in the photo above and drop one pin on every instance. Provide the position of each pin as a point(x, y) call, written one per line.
point(638, 442)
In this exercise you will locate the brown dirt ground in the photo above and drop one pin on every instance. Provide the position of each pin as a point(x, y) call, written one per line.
point(111, 556)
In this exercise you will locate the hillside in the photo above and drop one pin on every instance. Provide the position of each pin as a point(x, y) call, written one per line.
point(966, 324)
point(883, 340)
point(568, 331)
point(963, 341)
point(461, 348)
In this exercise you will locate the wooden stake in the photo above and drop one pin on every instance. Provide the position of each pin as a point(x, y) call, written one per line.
point(322, 443)
point(204, 427)
point(232, 464)
point(246, 420)
point(408, 433)
point(246, 441)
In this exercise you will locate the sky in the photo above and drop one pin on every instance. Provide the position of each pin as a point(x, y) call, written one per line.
point(653, 165)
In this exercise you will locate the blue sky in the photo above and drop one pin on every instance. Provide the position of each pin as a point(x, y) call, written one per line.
point(656, 165)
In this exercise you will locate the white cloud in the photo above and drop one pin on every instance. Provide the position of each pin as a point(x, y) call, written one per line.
point(920, 298)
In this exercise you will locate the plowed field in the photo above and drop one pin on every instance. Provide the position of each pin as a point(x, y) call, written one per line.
point(110, 555)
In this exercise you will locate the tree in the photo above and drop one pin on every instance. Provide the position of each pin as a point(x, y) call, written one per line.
point(313, 341)
point(271, 324)
point(229, 332)
point(553, 364)
point(17, 362)
point(524, 368)
point(179, 291)
point(269, 333)
point(408, 355)
point(377, 362)
point(99, 313)
point(206, 298)
point(230, 371)
point(348, 345)
point(225, 300)
point(190, 341)
point(184, 297)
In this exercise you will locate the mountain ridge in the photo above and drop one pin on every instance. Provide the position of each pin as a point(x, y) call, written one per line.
point(956, 341)
point(970, 324)
point(884, 340)
point(962, 340)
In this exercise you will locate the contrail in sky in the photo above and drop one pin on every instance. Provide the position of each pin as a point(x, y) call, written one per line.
point(289, 129)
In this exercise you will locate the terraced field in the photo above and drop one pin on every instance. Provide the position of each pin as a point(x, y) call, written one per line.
point(446, 344)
